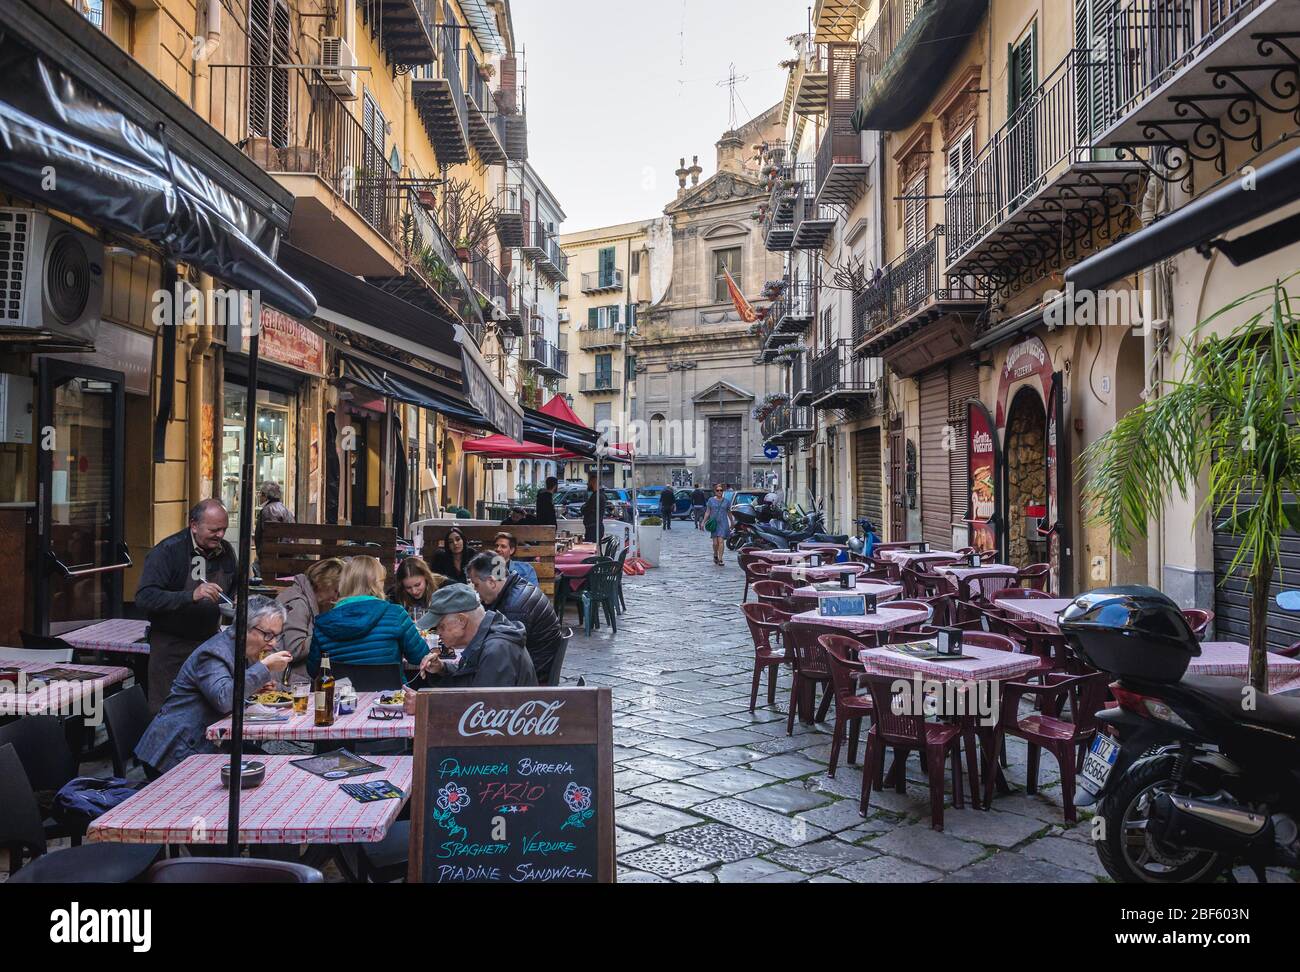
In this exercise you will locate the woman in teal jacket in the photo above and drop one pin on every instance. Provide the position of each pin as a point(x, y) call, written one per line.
point(364, 628)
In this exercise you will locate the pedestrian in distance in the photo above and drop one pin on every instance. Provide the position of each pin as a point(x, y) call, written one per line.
point(718, 522)
point(666, 503)
point(698, 500)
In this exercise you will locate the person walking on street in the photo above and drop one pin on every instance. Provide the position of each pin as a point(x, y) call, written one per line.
point(718, 522)
point(591, 510)
point(698, 498)
point(181, 586)
point(666, 503)
point(546, 503)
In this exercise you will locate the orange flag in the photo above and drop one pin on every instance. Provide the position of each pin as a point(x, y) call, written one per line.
point(743, 307)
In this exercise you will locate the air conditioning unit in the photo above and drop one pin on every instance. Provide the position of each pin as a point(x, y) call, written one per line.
point(338, 58)
point(51, 282)
point(563, 316)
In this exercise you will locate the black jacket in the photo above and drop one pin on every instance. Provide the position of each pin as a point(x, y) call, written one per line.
point(667, 501)
point(526, 604)
point(167, 584)
point(545, 508)
point(496, 658)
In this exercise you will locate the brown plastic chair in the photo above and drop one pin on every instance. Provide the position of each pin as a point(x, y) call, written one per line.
point(980, 589)
point(1067, 741)
point(850, 708)
point(905, 732)
point(755, 569)
point(231, 870)
point(1199, 621)
point(764, 623)
point(1036, 577)
point(800, 603)
point(1019, 594)
point(772, 592)
point(810, 668)
point(1028, 639)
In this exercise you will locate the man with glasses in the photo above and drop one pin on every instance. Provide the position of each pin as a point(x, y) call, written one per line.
point(494, 653)
point(204, 690)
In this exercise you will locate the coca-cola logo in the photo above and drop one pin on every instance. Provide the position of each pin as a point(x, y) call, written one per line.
point(532, 718)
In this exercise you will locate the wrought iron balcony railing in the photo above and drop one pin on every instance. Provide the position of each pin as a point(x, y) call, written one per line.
point(602, 280)
point(600, 383)
point(788, 423)
point(908, 286)
point(839, 379)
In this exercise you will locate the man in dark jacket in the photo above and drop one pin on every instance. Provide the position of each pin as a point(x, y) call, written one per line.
point(666, 503)
point(180, 588)
point(698, 500)
point(592, 510)
point(493, 653)
point(546, 503)
point(510, 594)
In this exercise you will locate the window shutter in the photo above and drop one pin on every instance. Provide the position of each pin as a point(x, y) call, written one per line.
point(280, 54)
point(593, 318)
point(259, 55)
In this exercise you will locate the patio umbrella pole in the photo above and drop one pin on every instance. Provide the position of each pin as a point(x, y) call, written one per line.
point(241, 595)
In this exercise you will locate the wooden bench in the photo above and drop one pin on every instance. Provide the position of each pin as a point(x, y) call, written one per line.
point(536, 547)
point(290, 548)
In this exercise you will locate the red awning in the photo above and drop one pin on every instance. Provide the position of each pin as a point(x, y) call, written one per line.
point(502, 447)
point(558, 408)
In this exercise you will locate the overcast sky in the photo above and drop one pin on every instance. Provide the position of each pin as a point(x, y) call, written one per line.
point(619, 91)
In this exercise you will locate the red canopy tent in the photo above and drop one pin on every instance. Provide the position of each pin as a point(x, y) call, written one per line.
point(502, 447)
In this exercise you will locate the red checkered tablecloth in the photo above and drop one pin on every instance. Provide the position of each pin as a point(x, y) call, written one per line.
point(122, 635)
point(1232, 658)
point(1042, 610)
point(881, 591)
point(188, 806)
point(799, 572)
point(785, 556)
point(57, 697)
point(966, 573)
point(303, 728)
point(987, 664)
point(906, 558)
point(885, 619)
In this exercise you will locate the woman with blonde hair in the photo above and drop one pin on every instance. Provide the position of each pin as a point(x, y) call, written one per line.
point(413, 584)
point(364, 628)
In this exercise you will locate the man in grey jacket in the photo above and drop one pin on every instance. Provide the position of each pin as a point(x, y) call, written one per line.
point(494, 653)
point(204, 690)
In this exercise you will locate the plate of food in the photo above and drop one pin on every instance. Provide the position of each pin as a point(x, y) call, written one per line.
point(391, 701)
point(274, 699)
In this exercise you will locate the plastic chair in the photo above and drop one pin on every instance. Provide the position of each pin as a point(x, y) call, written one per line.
point(600, 590)
point(1199, 621)
point(773, 592)
point(979, 589)
point(810, 668)
point(1019, 594)
point(56, 656)
point(917, 583)
point(799, 603)
point(386, 860)
point(231, 870)
point(126, 716)
point(905, 732)
point(370, 678)
point(557, 662)
point(850, 708)
point(755, 570)
point(1036, 577)
point(1085, 694)
point(764, 625)
point(618, 578)
point(97, 863)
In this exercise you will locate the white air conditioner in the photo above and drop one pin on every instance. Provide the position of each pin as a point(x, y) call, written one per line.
point(51, 281)
point(338, 58)
point(563, 316)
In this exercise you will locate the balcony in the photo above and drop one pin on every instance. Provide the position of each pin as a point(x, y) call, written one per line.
point(545, 357)
point(811, 81)
point(906, 57)
point(598, 338)
point(553, 264)
point(813, 223)
point(600, 383)
point(602, 280)
point(486, 131)
point(440, 101)
point(915, 315)
point(1189, 76)
point(534, 244)
point(837, 20)
point(840, 379)
point(787, 425)
point(511, 228)
point(787, 318)
point(492, 286)
point(841, 172)
point(786, 184)
point(800, 381)
point(404, 29)
point(1038, 191)
point(511, 112)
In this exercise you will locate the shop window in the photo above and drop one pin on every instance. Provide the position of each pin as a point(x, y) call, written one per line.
point(274, 446)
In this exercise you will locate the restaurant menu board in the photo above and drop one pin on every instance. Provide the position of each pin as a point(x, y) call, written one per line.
point(513, 786)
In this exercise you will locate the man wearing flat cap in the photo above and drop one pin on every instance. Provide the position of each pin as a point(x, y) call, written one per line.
point(494, 653)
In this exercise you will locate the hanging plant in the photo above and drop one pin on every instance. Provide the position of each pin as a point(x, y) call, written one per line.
point(774, 288)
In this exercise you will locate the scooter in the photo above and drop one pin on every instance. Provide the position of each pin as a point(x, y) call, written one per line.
point(866, 539)
point(1197, 772)
point(744, 533)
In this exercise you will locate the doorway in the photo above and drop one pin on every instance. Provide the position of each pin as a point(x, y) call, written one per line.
point(81, 553)
point(1026, 465)
point(724, 450)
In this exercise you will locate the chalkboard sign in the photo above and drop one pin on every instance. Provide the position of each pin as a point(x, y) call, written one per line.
point(513, 786)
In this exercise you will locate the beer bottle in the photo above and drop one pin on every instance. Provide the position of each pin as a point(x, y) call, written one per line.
point(322, 693)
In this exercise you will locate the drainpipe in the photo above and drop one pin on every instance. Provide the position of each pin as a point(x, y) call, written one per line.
point(199, 341)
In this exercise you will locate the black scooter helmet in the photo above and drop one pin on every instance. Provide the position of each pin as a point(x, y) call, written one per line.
point(1132, 631)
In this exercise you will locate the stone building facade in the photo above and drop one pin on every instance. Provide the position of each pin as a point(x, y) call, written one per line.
point(697, 377)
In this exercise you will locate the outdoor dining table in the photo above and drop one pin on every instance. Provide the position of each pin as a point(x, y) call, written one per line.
point(117, 635)
point(885, 619)
point(1232, 658)
point(787, 556)
point(908, 558)
point(1041, 609)
point(58, 695)
point(303, 728)
point(880, 589)
point(815, 546)
point(188, 805)
point(963, 575)
point(799, 572)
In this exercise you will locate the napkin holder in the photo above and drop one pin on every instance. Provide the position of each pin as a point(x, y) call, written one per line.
point(948, 642)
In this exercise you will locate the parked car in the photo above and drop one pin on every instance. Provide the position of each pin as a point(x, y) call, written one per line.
point(569, 501)
point(738, 496)
point(648, 502)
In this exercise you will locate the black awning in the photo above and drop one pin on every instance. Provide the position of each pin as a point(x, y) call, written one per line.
point(81, 138)
point(539, 429)
point(406, 387)
point(1275, 185)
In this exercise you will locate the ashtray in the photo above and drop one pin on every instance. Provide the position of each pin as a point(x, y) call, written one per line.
point(251, 774)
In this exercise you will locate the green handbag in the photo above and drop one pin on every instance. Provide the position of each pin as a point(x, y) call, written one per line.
point(711, 524)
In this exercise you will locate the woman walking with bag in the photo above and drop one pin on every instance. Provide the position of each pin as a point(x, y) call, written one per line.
point(717, 513)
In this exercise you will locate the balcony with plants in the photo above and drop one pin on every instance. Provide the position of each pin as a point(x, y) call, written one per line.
point(787, 424)
point(486, 127)
point(839, 379)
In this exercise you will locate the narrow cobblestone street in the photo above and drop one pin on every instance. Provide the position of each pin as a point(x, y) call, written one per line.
point(707, 792)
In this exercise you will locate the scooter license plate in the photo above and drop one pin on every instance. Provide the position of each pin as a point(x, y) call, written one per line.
point(1100, 760)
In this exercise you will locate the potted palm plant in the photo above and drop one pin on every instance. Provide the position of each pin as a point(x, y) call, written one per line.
point(1227, 420)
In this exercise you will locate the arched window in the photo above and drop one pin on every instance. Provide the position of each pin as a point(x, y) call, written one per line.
point(657, 423)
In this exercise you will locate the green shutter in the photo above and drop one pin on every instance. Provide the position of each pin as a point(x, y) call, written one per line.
point(592, 318)
point(631, 367)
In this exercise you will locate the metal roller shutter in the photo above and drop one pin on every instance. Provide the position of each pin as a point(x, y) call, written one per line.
point(868, 495)
point(936, 501)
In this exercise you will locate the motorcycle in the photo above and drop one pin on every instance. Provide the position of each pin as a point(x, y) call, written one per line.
point(747, 517)
point(866, 539)
point(814, 524)
point(1197, 773)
